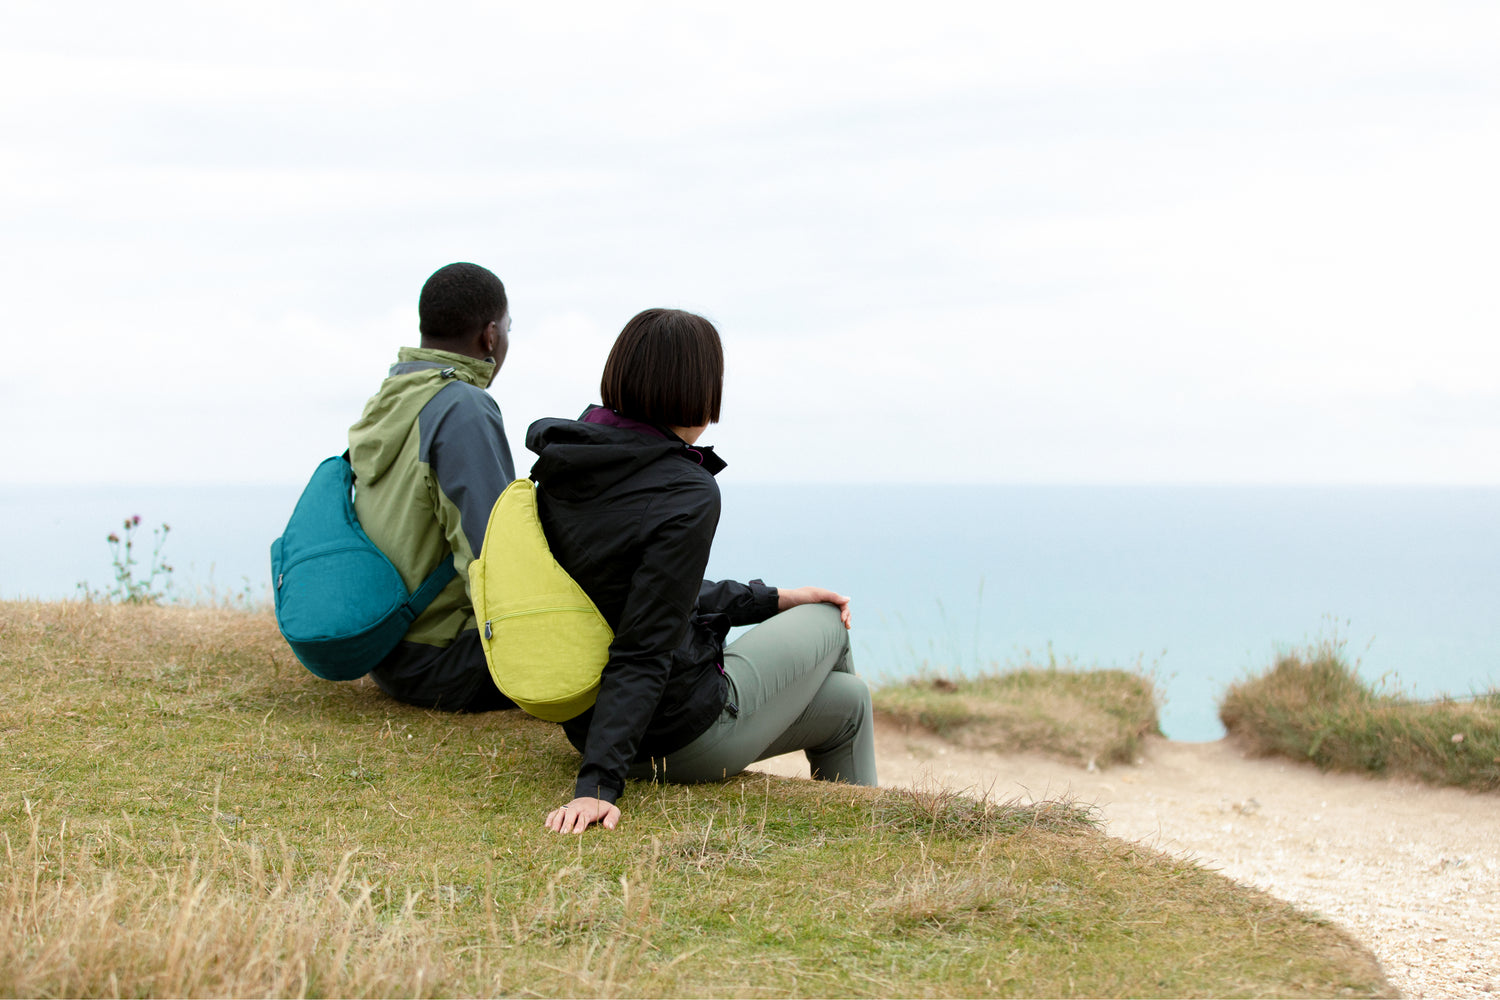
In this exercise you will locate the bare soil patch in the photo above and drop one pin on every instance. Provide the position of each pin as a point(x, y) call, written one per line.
point(1412, 870)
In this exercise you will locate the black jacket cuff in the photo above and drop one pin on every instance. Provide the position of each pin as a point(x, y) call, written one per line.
point(593, 788)
point(766, 598)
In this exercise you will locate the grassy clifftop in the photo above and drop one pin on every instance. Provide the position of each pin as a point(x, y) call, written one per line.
point(188, 812)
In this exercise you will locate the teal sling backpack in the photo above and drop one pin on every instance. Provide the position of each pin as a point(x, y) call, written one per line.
point(340, 603)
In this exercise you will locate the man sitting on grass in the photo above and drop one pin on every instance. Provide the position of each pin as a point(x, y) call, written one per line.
point(430, 459)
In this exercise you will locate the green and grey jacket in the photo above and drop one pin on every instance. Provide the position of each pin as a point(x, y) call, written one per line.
point(430, 459)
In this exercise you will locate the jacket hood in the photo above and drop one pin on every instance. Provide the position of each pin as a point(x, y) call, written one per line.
point(376, 439)
point(577, 459)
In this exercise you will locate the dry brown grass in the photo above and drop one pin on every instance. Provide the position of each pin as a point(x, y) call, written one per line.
point(82, 916)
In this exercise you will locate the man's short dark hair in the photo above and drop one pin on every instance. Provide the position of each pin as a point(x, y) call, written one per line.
point(458, 301)
point(666, 368)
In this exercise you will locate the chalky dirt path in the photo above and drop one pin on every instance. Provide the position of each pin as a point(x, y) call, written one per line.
point(1412, 871)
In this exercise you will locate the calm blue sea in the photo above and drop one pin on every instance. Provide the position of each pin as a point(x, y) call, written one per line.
point(1203, 584)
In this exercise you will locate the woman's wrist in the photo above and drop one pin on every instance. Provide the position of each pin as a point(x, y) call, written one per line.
point(814, 595)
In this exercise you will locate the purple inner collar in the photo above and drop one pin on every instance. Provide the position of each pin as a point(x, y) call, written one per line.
point(609, 418)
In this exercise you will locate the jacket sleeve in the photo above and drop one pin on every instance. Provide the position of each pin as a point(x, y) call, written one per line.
point(464, 446)
point(653, 624)
point(742, 603)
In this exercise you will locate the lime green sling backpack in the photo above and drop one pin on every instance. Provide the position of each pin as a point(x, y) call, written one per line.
point(544, 640)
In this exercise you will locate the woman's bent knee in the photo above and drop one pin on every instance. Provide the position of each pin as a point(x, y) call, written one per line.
point(821, 625)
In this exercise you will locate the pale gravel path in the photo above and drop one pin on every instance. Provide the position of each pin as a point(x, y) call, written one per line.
point(1410, 870)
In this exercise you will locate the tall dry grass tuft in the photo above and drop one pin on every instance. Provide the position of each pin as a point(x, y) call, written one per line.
point(234, 922)
point(1312, 705)
point(944, 812)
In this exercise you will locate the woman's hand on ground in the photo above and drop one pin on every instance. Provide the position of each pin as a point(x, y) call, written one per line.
point(814, 595)
point(578, 815)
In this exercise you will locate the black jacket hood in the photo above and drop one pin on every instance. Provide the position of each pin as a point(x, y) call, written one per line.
point(578, 460)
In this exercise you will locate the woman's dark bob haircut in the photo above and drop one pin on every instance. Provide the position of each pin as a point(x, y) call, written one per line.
point(666, 368)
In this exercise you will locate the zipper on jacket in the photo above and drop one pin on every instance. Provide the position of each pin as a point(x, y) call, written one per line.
point(729, 705)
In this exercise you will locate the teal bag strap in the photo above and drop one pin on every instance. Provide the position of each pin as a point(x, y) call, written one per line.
point(431, 587)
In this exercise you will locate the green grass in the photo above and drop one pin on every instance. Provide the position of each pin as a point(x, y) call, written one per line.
point(1083, 716)
point(186, 811)
point(1311, 705)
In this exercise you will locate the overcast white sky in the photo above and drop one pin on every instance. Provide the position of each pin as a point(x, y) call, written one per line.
point(1003, 242)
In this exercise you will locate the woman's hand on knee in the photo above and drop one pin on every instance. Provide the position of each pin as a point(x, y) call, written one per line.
point(814, 595)
point(578, 815)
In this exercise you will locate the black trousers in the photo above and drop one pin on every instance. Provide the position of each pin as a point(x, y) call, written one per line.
point(451, 678)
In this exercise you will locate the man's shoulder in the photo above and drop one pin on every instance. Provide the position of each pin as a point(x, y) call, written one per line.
point(459, 401)
point(458, 407)
point(460, 417)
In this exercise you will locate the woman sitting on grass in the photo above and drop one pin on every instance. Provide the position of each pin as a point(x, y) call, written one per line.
point(629, 507)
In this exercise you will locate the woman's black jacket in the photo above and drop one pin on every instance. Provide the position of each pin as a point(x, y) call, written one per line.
point(629, 511)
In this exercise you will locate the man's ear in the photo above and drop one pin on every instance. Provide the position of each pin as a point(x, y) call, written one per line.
point(489, 339)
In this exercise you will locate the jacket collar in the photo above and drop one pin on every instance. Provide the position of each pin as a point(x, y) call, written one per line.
point(475, 371)
point(704, 456)
point(609, 418)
